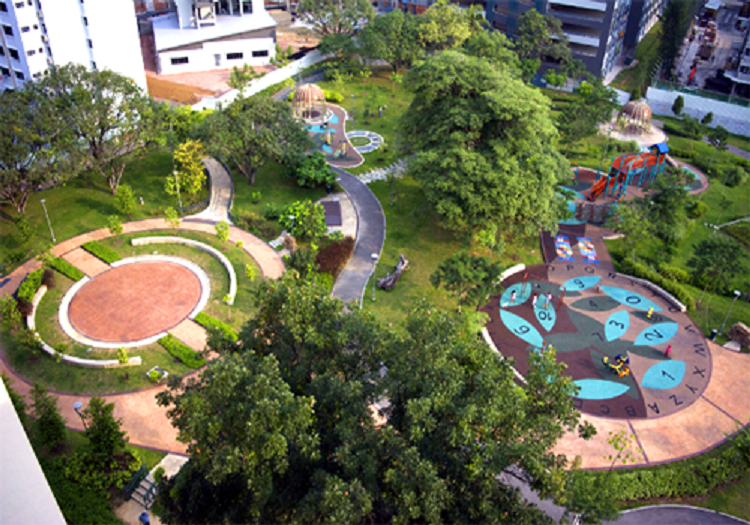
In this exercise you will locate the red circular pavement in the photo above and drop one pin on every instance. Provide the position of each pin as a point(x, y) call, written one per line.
point(134, 301)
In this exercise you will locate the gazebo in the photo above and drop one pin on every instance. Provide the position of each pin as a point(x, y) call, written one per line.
point(309, 104)
point(636, 116)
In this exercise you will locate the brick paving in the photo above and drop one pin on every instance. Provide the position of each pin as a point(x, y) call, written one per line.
point(191, 333)
point(87, 263)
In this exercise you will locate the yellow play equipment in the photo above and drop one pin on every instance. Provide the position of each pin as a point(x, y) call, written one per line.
point(619, 364)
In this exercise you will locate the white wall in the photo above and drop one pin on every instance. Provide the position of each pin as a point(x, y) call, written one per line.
point(67, 38)
point(204, 59)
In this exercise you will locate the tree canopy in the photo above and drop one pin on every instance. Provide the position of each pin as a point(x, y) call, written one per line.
point(307, 375)
point(444, 26)
point(470, 278)
point(482, 145)
point(395, 38)
point(540, 37)
point(336, 17)
point(667, 202)
point(592, 105)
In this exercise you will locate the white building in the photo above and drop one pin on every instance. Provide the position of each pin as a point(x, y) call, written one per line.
point(214, 34)
point(37, 34)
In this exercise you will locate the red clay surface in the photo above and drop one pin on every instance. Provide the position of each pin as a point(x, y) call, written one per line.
point(135, 301)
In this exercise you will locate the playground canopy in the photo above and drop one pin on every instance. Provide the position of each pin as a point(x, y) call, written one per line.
point(309, 103)
point(637, 117)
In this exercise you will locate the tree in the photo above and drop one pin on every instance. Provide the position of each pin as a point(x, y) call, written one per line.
point(113, 120)
point(718, 260)
point(734, 176)
point(482, 146)
point(103, 432)
point(125, 200)
point(632, 222)
point(178, 123)
point(667, 203)
point(574, 68)
point(678, 104)
point(592, 105)
point(253, 131)
point(191, 173)
point(675, 23)
point(495, 47)
point(478, 22)
point(49, 425)
point(443, 26)
point(18, 402)
point(469, 277)
point(707, 118)
point(719, 139)
point(281, 428)
point(555, 79)
point(172, 218)
point(240, 79)
point(114, 223)
point(692, 128)
point(308, 222)
point(314, 171)
point(540, 37)
point(394, 38)
point(336, 17)
point(35, 145)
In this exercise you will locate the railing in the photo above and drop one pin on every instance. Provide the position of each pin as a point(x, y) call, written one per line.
point(134, 482)
point(671, 86)
point(148, 498)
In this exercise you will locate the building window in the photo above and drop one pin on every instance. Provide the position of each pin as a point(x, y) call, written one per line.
point(3, 7)
point(37, 75)
point(13, 53)
point(19, 75)
point(25, 29)
point(19, 5)
point(5, 71)
point(8, 30)
point(257, 54)
point(30, 53)
point(234, 56)
point(2, 51)
point(745, 70)
point(85, 21)
point(91, 44)
point(180, 60)
point(93, 66)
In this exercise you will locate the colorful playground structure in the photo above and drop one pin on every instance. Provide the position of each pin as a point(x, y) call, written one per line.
point(619, 365)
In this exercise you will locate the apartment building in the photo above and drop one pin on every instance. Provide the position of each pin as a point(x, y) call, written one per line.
point(740, 77)
point(38, 34)
point(201, 35)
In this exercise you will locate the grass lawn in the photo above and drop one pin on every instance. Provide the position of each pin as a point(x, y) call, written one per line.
point(378, 90)
point(84, 204)
point(732, 499)
point(412, 229)
point(646, 53)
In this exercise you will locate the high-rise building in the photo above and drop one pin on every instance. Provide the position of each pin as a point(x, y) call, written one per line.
point(38, 34)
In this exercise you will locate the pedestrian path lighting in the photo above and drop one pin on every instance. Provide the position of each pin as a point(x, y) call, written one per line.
point(291, 220)
point(352, 114)
point(52, 234)
point(737, 294)
point(374, 257)
point(77, 407)
point(177, 183)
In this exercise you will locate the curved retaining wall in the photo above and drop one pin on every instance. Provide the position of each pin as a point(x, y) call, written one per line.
point(651, 286)
point(201, 246)
point(69, 359)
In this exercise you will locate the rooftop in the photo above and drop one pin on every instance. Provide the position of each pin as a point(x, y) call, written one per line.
point(168, 34)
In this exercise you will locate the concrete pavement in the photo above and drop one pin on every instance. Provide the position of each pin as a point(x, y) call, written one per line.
point(674, 515)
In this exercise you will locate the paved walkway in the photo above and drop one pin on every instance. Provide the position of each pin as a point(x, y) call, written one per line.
point(353, 278)
point(674, 514)
point(221, 193)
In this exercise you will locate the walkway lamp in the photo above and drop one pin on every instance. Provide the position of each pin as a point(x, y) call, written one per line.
point(374, 257)
point(77, 407)
point(737, 294)
point(291, 220)
point(49, 223)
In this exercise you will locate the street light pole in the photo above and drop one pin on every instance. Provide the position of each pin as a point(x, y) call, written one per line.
point(77, 407)
point(374, 257)
point(291, 219)
point(177, 183)
point(49, 223)
point(737, 294)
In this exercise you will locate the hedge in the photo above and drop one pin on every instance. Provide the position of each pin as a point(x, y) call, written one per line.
point(30, 285)
point(333, 257)
point(673, 273)
point(640, 271)
point(182, 351)
point(65, 268)
point(206, 321)
point(331, 96)
point(105, 253)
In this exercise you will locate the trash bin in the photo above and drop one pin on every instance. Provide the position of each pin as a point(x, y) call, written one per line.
point(713, 335)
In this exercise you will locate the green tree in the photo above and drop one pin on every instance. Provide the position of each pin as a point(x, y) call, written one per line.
point(574, 68)
point(675, 23)
point(555, 79)
point(125, 200)
point(469, 277)
point(678, 105)
point(540, 37)
point(718, 260)
point(336, 17)
point(495, 47)
point(191, 172)
point(719, 139)
point(592, 105)
point(11, 316)
point(478, 22)
point(114, 223)
point(253, 131)
point(172, 218)
point(734, 176)
point(394, 38)
point(707, 118)
point(49, 425)
point(36, 145)
point(309, 222)
point(667, 203)
point(113, 120)
point(103, 432)
point(482, 146)
point(444, 26)
point(632, 222)
point(314, 171)
point(178, 123)
point(18, 402)
point(692, 128)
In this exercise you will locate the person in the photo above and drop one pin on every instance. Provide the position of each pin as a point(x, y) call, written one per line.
point(669, 349)
point(513, 297)
point(547, 300)
point(533, 301)
point(143, 518)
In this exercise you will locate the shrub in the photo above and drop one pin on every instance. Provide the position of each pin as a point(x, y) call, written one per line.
point(314, 171)
point(222, 231)
point(48, 279)
point(325, 279)
point(671, 128)
point(333, 258)
point(182, 352)
point(11, 315)
point(172, 217)
point(309, 220)
point(114, 223)
point(253, 223)
point(159, 475)
point(673, 273)
point(271, 212)
point(24, 231)
point(640, 271)
point(125, 200)
point(333, 96)
point(735, 176)
point(336, 236)
point(683, 154)
point(697, 209)
point(122, 356)
point(154, 375)
point(30, 285)
point(207, 321)
point(65, 268)
point(49, 424)
point(105, 253)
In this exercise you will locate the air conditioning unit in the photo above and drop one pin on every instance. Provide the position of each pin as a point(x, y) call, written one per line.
point(39, 15)
point(45, 38)
point(50, 61)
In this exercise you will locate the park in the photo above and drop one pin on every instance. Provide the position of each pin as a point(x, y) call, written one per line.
point(371, 290)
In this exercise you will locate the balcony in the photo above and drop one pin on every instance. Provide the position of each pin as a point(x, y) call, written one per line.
point(581, 4)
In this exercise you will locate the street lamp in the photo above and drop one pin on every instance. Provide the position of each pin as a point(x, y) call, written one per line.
point(291, 219)
point(737, 294)
point(177, 183)
point(77, 407)
point(374, 257)
point(52, 234)
point(352, 115)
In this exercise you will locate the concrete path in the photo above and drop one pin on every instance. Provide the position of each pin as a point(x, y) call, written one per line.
point(353, 278)
point(221, 193)
point(674, 514)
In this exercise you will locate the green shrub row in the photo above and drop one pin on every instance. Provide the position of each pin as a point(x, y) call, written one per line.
point(30, 285)
point(638, 270)
point(65, 268)
point(105, 253)
point(674, 129)
point(331, 96)
point(740, 231)
point(182, 351)
point(673, 273)
point(206, 321)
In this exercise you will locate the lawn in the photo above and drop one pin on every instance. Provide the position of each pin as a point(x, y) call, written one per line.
point(84, 204)
point(732, 499)
point(646, 53)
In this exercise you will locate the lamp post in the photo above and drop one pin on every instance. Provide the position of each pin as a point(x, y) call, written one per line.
point(49, 223)
point(352, 114)
point(177, 183)
point(374, 257)
point(291, 219)
point(77, 407)
point(737, 294)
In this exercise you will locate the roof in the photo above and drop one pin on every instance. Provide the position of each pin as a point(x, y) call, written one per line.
point(168, 34)
point(713, 4)
point(661, 148)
